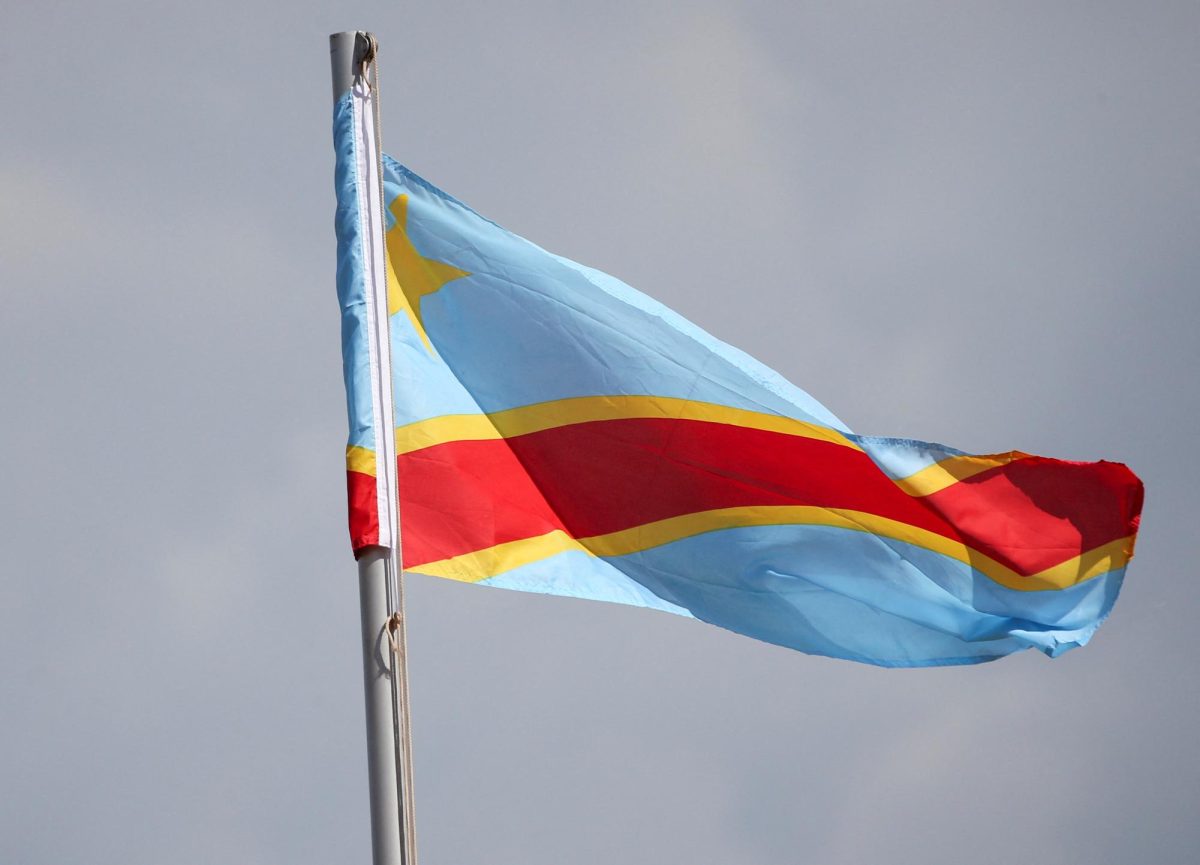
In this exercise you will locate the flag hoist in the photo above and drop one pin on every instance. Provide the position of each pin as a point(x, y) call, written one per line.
point(362, 291)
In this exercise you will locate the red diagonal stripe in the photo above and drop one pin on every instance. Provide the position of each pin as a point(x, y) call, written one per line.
point(604, 476)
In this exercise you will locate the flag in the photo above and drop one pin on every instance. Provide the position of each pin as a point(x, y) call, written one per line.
point(542, 426)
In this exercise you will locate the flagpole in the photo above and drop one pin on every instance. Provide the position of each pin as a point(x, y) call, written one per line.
point(384, 775)
point(385, 675)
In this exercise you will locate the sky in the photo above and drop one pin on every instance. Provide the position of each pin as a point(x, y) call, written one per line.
point(974, 223)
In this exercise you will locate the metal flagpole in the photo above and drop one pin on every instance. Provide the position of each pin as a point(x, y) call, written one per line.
point(385, 674)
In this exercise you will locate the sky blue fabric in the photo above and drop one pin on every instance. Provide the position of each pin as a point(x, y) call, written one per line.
point(565, 330)
point(356, 367)
point(815, 588)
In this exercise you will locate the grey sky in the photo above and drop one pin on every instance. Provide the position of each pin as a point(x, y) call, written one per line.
point(971, 223)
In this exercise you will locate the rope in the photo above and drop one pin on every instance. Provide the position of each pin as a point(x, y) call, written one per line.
point(366, 49)
point(403, 729)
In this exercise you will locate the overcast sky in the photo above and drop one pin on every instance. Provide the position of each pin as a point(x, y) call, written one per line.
point(968, 223)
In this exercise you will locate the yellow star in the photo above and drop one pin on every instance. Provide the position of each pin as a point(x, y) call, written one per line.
point(411, 276)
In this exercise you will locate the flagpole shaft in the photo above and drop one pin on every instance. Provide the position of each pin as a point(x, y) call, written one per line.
point(384, 679)
point(373, 577)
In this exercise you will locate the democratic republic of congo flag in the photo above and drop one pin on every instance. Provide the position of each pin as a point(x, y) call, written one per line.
point(557, 431)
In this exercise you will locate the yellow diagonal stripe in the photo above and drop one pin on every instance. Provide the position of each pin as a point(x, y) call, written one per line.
point(484, 564)
point(563, 412)
point(951, 470)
